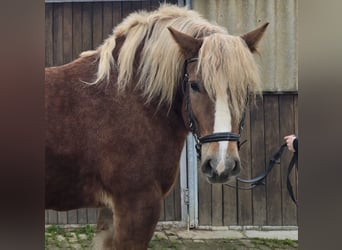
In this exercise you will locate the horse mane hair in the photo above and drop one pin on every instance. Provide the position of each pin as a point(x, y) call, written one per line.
point(224, 61)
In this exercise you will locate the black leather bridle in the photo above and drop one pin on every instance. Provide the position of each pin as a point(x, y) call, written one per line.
point(229, 136)
point(214, 137)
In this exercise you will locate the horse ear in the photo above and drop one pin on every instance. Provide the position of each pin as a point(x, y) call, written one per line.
point(253, 37)
point(189, 45)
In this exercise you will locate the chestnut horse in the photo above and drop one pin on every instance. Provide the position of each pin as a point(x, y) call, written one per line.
point(118, 116)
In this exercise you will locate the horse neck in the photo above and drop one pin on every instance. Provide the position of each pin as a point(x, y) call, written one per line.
point(169, 117)
point(174, 116)
point(169, 121)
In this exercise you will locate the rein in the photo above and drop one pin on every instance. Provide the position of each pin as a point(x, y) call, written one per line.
point(229, 136)
point(260, 180)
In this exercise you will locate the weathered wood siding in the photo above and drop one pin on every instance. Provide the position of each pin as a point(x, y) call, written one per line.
point(278, 48)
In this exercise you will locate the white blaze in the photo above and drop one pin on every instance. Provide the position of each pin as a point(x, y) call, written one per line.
point(222, 124)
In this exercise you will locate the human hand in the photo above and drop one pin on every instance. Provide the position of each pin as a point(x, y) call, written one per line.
point(289, 142)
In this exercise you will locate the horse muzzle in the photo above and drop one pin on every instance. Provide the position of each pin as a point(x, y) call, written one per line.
point(221, 171)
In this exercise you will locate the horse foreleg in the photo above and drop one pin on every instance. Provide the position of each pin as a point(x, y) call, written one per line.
point(135, 221)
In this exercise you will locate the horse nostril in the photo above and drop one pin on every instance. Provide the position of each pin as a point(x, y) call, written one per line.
point(236, 168)
point(207, 168)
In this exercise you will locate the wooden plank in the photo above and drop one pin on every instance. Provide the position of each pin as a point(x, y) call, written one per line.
point(87, 41)
point(48, 35)
point(295, 171)
point(169, 206)
point(273, 182)
point(62, 217)
point(216, 203)
point(229, 206)
point(91, 215)
point(67, 32)
point(295, 187)
point(177, 200)
point(245, 196)
point(58, 34)
point(172, 1)
point(172, 206)
point(46, 217)
point(52, 215)
point(162, 213)
point(258, 161)
point(154, 4)
point(287, 117)
point(136, 5)
point(82, 216)
point(72, 216)
point(296, 114)
point(204, 200)
point(297, 133)
point(107, 26)
point(146, 5)
point(97, 24)
point(76, 30)
point(126, 9)
point(117, 13)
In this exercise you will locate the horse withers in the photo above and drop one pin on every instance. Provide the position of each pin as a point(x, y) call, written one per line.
point(117, 117)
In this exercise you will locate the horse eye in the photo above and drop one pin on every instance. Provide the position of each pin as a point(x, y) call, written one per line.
point(195, 86)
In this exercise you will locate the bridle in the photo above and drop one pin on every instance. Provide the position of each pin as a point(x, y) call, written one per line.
point(214, 137)
point(229, 136)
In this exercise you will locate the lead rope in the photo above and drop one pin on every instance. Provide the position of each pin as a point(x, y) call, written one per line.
point(260, 180)
point(293, 162)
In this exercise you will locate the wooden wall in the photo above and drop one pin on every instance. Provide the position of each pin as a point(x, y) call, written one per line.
point(71, 28)
point(272, 118)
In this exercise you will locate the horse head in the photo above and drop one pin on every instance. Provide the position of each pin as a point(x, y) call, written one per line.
point(219, 74)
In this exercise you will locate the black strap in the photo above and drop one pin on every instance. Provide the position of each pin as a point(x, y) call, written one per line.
point(222, 136)
point(293, 162)
point(259, 180)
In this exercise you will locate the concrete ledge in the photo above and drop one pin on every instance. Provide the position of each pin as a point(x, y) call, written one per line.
point(242, 228)
point(279, 235)
point(206, 235)
point(235, 234)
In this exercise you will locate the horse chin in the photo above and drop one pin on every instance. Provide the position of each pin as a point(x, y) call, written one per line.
point(221, 179)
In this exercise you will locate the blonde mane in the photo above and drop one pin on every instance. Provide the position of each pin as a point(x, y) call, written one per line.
point(223, 59)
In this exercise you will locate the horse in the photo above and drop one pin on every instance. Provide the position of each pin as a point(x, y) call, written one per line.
point(117, 117)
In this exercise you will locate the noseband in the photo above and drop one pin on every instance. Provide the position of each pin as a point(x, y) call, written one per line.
point(214, 137)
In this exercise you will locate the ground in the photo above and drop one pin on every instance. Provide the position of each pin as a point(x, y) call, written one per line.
point(171, 239)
